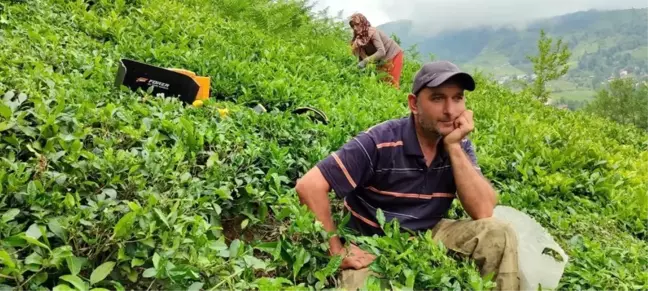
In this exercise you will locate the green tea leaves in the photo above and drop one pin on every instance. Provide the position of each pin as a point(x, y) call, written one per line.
point(34, 231)
point(123, 226)
point(156, 261)
point(234, 248)
point(6, 259)
point(162, 217)
point(149, 273)
point(302, 257)
point(9, 215)
point(110, 193)
point(77, 282)
point(5, 111)
point(56, 228)
point(101, 272)
point(75, 264)
point(212, 160)
point(64, 287)
point(34, 259)
point(380, 216)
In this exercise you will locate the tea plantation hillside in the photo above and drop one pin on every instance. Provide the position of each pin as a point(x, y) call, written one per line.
point(102, 187)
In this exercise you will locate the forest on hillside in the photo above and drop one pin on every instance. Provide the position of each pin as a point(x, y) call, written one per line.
point(604, 45)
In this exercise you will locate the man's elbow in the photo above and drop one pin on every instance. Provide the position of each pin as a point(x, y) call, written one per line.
point(485, 210)
point(483, 214)
point(312, 183)
point(300, 188)
point(305, 187)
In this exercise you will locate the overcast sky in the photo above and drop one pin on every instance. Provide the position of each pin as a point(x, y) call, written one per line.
point(442, 14)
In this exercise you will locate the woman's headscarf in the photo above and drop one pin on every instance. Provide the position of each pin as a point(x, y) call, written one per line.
point(365, 34)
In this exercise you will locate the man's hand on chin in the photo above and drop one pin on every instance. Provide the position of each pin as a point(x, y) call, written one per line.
point(463, 126)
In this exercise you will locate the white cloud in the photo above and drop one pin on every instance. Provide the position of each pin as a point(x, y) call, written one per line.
point(373, 10)
point(447, 14)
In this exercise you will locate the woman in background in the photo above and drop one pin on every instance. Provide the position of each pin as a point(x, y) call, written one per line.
point(372, 45)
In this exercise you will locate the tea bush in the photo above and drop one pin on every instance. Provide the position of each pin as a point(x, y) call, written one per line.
point(107, 188)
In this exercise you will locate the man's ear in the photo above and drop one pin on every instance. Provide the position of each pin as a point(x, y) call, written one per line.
point(411, 101)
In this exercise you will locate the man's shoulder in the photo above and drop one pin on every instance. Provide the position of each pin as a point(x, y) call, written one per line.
point(387, 130)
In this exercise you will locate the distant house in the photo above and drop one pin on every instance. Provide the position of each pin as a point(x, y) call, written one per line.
point(503, 79)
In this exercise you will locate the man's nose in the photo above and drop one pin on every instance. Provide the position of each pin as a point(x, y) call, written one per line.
point(448, 107)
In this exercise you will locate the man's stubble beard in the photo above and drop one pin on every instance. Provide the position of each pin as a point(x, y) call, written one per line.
point(427, 125)
point(428, 128)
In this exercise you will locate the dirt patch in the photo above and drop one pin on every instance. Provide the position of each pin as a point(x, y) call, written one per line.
point(267, 231)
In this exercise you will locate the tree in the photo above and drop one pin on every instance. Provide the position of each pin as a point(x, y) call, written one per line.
point(413, 52)
point(550, 64)
point(396, 38)
point(624, 101)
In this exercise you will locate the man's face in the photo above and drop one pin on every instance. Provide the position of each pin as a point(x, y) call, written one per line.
point(437, 108)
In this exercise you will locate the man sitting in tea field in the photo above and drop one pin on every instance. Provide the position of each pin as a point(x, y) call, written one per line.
point(412, 168)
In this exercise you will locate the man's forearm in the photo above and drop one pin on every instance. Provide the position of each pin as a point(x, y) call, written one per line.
point(475, 193)
point(318, 202)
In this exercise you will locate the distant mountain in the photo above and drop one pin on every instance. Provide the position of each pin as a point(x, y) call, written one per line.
point(604, 44)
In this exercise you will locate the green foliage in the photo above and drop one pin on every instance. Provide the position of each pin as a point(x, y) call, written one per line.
point(623, 101)
point(104, 188)
point(395, 38)
point(418, 262)
point(549, 64)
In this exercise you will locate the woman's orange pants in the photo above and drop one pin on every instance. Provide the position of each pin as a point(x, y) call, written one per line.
point(394, 68)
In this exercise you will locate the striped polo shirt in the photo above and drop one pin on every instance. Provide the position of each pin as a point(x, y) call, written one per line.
point(384, 168)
